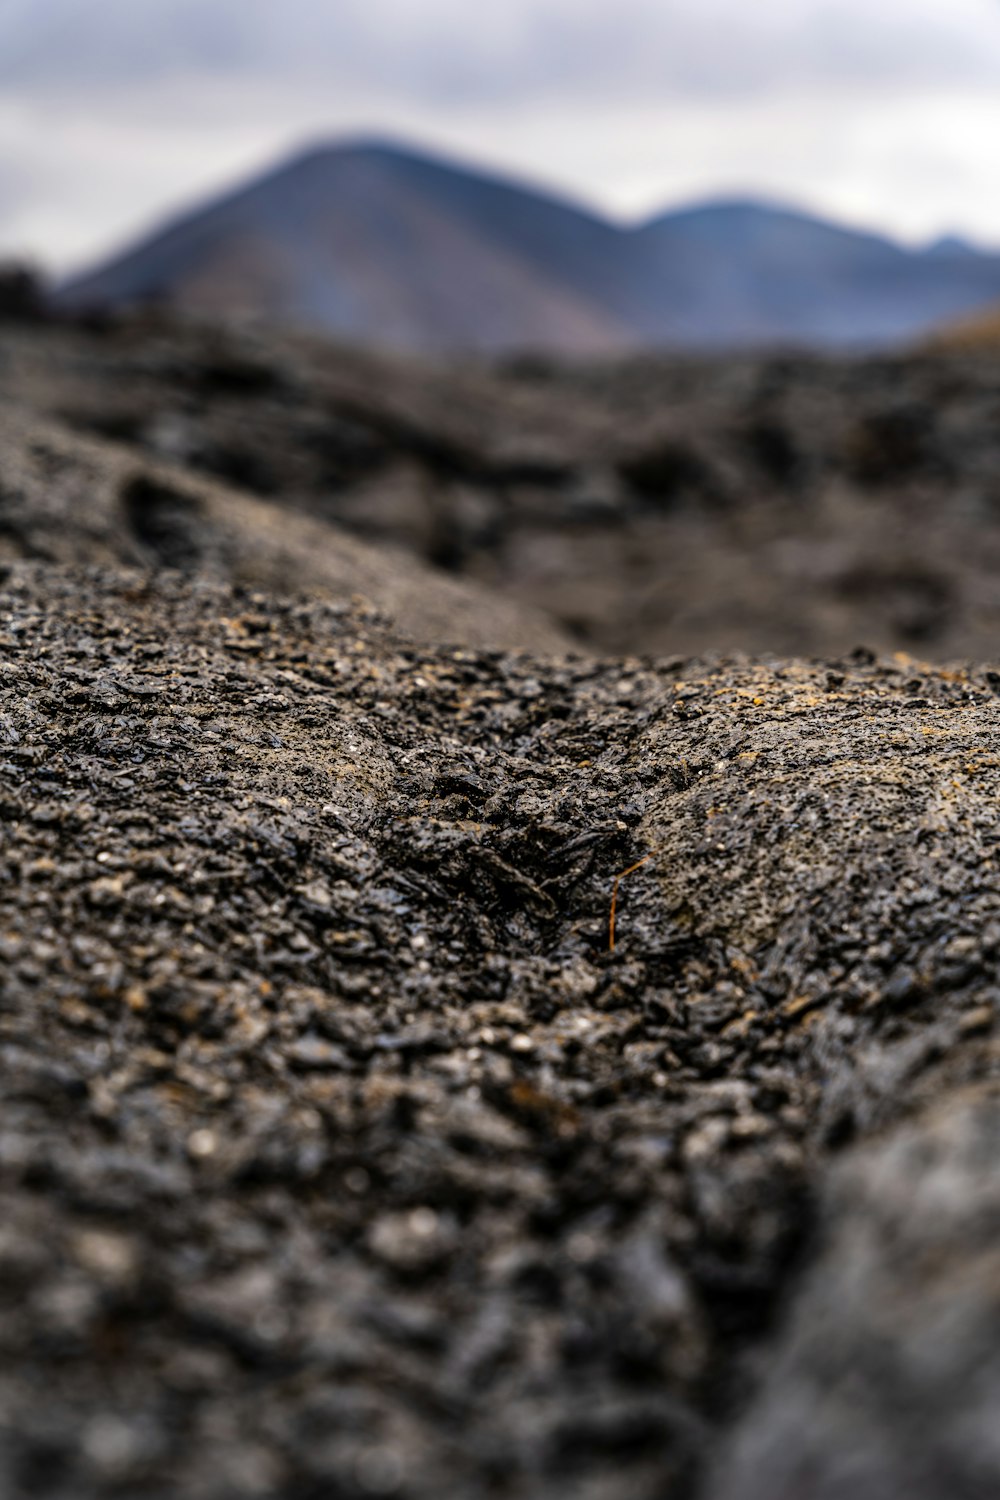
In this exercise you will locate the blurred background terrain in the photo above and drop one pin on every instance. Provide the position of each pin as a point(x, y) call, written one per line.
point(655, 504)
point(675, 346)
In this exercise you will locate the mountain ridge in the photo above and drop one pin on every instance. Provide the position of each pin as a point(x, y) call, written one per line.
point(373, 241)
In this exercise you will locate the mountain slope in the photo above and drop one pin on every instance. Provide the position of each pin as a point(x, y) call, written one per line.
point(745, 272)
point(375, 243)
point(372, 243)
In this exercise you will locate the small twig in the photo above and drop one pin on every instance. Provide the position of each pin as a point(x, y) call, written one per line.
point(614, 895)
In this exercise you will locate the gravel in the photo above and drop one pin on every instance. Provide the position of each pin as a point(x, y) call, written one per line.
point(342, 1157)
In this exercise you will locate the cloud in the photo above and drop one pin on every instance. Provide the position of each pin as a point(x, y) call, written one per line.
point(447, 51)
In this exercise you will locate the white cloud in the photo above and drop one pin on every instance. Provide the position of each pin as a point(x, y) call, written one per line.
point(444, 50)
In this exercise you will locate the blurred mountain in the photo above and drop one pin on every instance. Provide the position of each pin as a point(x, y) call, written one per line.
point(742, 273)
point(386, 246)
point(380, 245)
point(951, 244)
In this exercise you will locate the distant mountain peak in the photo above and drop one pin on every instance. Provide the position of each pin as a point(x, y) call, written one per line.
point(380, 147)
point(736, 206)
point(376, 240)
point(951, 245)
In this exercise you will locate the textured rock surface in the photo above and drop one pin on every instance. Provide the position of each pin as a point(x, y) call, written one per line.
point(797, 505)
point(339, 1154)
point(64, 498)
point(888, 1380)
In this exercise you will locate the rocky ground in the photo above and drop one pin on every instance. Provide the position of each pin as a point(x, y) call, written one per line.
point(64, 498)
point(341, 1155)
point(785, 504)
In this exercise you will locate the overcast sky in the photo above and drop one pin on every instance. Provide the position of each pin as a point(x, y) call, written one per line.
point(881, 112)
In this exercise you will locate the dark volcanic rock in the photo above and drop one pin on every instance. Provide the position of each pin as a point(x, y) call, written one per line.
point(22, 295)
point(888, 1381)
point(68, 499)
point(340, 1156)
point(800, 506)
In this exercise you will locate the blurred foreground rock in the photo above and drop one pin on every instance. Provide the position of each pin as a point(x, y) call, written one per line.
point(887, 1382)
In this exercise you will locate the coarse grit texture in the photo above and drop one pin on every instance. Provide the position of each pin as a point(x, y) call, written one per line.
point(341, 1157)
